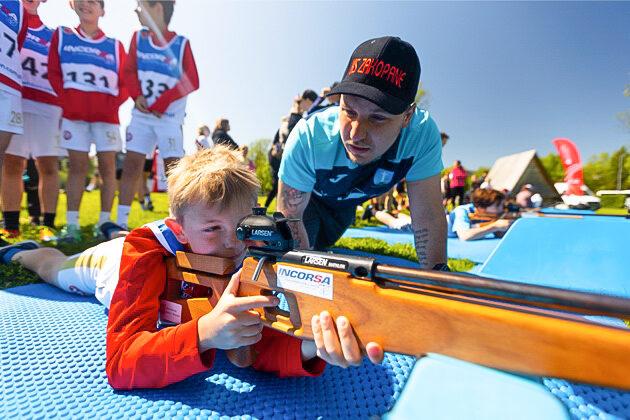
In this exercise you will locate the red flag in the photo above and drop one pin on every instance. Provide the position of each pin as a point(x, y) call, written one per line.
point(570, 157)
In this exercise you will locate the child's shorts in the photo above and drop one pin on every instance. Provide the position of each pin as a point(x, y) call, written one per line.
point(93, 271)
point(41, 131)
point(79, 135)
point(11, 119)
point(143, 135)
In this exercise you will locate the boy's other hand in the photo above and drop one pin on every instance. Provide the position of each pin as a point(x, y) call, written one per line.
point(232, 323)
point(337, 346)
point(141, 104)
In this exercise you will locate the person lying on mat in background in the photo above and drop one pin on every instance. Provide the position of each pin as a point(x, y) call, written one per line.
point(398, 221)
point(209, 192)
point(486, 201)
point(341, 157)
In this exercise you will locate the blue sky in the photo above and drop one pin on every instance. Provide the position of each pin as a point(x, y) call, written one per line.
point(503, 77)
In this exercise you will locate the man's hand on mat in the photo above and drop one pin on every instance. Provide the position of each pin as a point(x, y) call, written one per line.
point(337, 346)
point(232, 323)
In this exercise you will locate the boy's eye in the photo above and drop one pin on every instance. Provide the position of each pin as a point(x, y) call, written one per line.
point(211, 229)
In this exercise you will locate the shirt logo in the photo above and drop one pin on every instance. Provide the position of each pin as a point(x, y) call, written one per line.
point(338, 178)
point(382, 176)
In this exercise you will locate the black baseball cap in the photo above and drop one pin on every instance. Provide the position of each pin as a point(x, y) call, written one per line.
point(385, 71)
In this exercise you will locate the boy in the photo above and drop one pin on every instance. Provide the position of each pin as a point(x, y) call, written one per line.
point(489, 202)
point(85, 70)
point(41, 116)
point(209, 193)
point(13, 25)
point(159, 73)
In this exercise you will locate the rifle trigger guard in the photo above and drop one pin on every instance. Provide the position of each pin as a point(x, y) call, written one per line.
point(259, 267)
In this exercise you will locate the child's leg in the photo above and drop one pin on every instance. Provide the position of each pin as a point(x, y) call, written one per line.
point(385, 218)
point(45, 262)
point(107, 170)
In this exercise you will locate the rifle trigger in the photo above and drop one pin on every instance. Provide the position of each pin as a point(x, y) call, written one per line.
point(259, 267)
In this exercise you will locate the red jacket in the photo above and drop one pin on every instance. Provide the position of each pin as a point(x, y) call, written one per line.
point(188, 83)
point(141, 356)
point(86, 106)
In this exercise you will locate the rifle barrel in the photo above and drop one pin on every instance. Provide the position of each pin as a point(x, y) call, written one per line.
point(570, 300)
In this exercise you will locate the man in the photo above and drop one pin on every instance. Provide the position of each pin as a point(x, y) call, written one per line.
point(300, 106)
point(340, 157)
point(524, 197)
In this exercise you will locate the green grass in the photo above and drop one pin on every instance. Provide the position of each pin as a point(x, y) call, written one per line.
point(611, 210)
point(14, 274)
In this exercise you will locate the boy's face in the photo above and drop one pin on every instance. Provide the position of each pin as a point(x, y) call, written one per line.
point(32, 5)
point(208, 230)
point(148, 13)
point(89, 11)
point(367, 130)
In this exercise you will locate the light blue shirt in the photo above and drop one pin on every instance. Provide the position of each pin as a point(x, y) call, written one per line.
point(459, 219)
point(315, 160)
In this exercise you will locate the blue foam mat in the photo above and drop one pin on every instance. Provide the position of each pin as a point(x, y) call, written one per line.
point(589, 254)
point(476, 251)
point(52, 356)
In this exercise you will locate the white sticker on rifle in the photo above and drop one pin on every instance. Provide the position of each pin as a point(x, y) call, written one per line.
point(314, 283)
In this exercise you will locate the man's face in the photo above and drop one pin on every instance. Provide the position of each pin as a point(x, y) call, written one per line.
point(305, 105)
point(89, 11)
point(367, 130)
point(211, 231)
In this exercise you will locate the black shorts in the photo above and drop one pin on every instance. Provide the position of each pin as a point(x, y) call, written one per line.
point(325, 224)
point(148, 165)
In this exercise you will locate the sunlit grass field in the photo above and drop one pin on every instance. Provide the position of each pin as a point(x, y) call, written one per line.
point(14, 275)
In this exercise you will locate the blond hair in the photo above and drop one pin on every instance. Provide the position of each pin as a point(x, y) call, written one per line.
point(214, 176)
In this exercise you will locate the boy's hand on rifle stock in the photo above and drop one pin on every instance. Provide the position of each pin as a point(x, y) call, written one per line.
point(231, 323)
point(337, 346)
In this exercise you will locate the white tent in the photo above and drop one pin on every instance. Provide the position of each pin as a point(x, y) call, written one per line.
point(513, 171)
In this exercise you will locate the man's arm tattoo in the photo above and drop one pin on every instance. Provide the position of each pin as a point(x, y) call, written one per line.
point(292, 199)
point(421, 239)
point(295, 231)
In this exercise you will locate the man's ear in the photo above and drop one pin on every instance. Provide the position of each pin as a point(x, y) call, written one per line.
point(408, 114)
point(177, 229)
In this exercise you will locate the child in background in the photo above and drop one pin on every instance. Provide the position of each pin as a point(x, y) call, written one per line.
point(41, 115)
point(13, 25)
point(85, 70)
point(159, 74)
point(209, 193)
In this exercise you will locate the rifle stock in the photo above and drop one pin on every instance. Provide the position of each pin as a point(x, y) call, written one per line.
point(416, 318)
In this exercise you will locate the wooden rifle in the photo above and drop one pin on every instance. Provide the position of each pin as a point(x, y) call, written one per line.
point(518, 327)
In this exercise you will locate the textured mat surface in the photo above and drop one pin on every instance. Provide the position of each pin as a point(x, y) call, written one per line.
point(52, 355)
point(476, 251)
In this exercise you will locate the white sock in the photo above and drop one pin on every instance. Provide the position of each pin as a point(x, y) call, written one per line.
point(122, 215)
point(72, 218)
point(103, 217)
